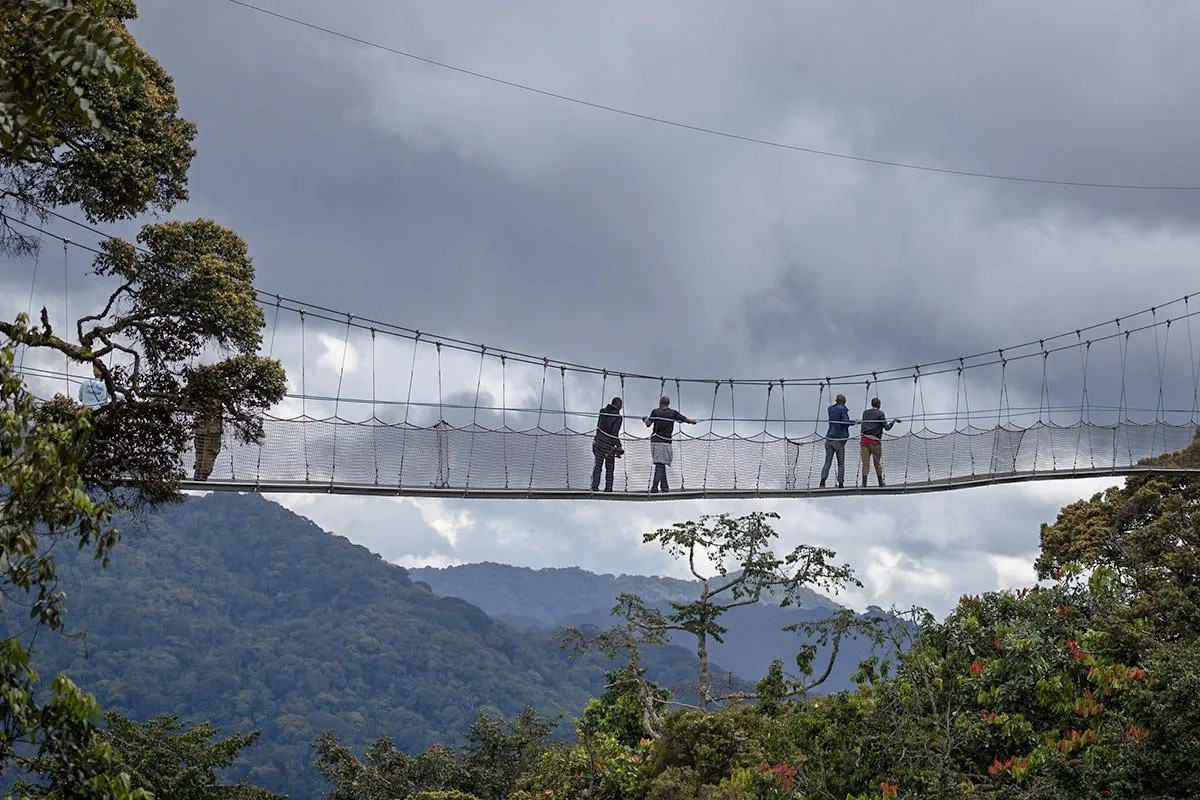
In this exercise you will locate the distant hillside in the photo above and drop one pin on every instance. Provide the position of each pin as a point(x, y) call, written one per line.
point(234, 610)
point(545, 599)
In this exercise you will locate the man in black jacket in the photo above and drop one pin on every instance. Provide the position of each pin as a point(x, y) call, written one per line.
point(607, 445)
point(874, 423)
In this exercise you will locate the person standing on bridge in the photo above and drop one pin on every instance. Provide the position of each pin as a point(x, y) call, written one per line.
point(208, 426)
point(92, 392)
point(835, 440)
point(607, 445)
point(874, 423)
point(663, 419)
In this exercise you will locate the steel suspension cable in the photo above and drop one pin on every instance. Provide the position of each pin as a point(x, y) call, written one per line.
point(338, 400)
point(475, 414)
point(407, 429)
point(262, 414)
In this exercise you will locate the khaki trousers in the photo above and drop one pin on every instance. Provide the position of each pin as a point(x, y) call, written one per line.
point(871, 451)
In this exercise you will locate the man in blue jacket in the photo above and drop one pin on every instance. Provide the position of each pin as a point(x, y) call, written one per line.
point(835, 440)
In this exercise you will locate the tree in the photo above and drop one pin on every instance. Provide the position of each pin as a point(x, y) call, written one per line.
point(1148, 531)
point(746, 542)
point(173, 762)
point(627, 688)
point(497, 754)
point(72, 45)
point(43, 502)
point(86, 117)
point(187, 293)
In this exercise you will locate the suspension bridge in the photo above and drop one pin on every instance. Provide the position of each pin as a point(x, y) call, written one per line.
point(468, 420)
point(381, 409)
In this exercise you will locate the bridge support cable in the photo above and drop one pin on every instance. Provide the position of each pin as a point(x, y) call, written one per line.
point(762, 451)
point(625, 461)
point(1161, 359)
point(816, 434)
point(538, 429)
point(733, 431)
point(682, 466)
point(1084, 413)
point(304, 393)
point(412, 371)
point(337, 400)
point(566, 428)
point(37, 260)
point(270, 354)
point(711, 420)
point(475, 413)
point(66, 311)
point(1124, 410)
point(504, 415)
point(1193, 363)
point(374, 412)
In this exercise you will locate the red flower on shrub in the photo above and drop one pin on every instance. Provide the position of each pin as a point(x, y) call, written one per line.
point(978, 667)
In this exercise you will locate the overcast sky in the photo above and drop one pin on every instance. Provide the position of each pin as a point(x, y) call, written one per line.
point(401, 191)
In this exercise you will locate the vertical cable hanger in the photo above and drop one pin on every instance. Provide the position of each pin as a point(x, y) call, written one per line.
point(37, 259)
point(475, 415)
point(374, 412)
point(337, 400)
point(406, 429)
point(304, 392)
point(537, 436)
point(504, 414)
point(562, 376)
point(262, 414)
point(682, 471)
point(66, 243)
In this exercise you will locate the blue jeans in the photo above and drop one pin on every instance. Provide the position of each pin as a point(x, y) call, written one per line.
point(834, 447)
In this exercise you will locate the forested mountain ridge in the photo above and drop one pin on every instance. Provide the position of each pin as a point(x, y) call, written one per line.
point(556, 597)
point(233, 610)
point(544, 597)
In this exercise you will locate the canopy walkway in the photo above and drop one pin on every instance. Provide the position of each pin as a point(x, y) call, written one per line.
point(479, 421)
point(1095, 401)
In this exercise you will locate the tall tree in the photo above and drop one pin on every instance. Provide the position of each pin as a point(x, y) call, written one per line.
point(172, 761)
point(734, 561)
point(87, 118)
point(187, 293)
point(1148, 531)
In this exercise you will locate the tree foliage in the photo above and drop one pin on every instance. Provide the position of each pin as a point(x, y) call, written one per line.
point(63, 43)
point(1148, 532)
point(722, 541)
point(497, 753)
point(42, 503)
point(172, 761)
point(186, 294)
point(92, 119)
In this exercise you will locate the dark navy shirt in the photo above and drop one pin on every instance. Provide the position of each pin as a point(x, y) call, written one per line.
point(874, 422)
point(664, 423)
point(608, 425)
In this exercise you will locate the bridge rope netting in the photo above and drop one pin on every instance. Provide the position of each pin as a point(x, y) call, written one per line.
point(482, 421)
point(378, 408)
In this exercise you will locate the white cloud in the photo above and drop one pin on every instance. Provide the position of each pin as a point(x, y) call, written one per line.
point(1013, 572)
